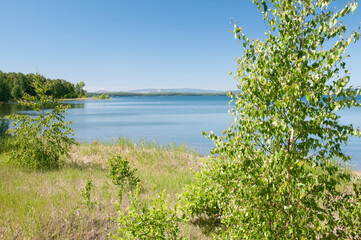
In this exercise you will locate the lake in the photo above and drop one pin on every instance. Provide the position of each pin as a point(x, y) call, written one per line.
point(168, 119)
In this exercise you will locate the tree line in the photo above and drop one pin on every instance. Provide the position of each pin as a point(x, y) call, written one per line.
point(13, 86)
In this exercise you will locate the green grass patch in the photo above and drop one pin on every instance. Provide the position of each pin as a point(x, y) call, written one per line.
point(49, 204)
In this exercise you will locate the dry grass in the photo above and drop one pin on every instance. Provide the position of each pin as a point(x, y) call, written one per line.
point(49, 205)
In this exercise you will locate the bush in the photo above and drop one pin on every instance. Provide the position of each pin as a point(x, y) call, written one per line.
point(122, 175)
point(152, 219)
point(40, 141)
point(103, 96)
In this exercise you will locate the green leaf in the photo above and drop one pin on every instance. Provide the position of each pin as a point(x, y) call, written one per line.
point(264, 6)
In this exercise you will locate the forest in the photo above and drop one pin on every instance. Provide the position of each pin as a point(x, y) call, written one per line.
point(14, 85)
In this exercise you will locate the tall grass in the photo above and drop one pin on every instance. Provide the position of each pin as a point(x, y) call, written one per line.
point(49, 204)
point(43, 205)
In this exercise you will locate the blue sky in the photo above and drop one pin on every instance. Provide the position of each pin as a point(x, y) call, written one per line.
point(133, 44)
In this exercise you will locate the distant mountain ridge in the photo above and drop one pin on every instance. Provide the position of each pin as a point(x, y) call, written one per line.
point(174, 90)
point(162, 90)
point(101, 91)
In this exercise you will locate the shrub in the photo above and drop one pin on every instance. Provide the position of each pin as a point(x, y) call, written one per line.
point(122, 175)
point(103, 96)
point(40, 141)
point(152, 219)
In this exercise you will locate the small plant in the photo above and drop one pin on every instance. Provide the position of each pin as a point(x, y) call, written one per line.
point(153, 219)
point(87, 192)
point(122, 175)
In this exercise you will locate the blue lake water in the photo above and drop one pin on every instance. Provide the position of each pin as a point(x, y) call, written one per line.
point(178, 119)
point(168, 119)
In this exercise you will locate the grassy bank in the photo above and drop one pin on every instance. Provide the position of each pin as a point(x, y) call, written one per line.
point(44, 205)
point(50, 204)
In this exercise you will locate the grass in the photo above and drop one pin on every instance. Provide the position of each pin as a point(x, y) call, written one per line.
point(49, 205)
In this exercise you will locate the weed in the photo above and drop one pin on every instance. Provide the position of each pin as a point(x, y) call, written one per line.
point(152, 219)
point(122, 175)
point(86, 193)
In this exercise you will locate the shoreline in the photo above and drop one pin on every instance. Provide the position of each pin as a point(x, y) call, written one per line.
point(79, 99)
point(357, 173)
point(62, 99)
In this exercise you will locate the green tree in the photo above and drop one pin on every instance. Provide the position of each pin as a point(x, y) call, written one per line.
point(4, 90)
point(14, 85)
point(70, 90)
point(40, 140)
point(16, 92)
point(79, 89)
point(59, 88)
point(271, 175)
point(103, 96)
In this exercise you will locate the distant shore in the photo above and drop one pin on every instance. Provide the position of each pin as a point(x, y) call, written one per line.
point(128, 94)
point(63, 99)
point(79, 99)
point(357, 173)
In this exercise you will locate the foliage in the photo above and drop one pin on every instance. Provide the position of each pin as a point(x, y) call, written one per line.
point(4, 91)
point(4, 136)
point(103, 96)
point(79, 89)
point(4, 126)
point(45, 205)
point(270, 175)
point(60, 88)
point(153, 219)
point(122, 175)
point(40, 140)
point(86, 193)
point(13, 86)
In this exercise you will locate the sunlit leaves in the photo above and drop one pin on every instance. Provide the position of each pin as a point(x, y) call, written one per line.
point(271, 176)
point(42, 139)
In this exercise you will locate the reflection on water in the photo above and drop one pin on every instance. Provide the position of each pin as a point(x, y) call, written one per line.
point(177, 120)
point(9, 108)
point(75, 104)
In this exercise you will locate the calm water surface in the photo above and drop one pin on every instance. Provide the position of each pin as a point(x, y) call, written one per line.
point(178, 119)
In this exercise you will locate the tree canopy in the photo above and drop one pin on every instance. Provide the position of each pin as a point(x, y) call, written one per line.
point(272, 174)
point(13, 86)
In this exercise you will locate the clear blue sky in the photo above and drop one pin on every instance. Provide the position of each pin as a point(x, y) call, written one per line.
point(133, 44)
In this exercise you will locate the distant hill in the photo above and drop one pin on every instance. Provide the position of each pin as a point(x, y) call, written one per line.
point(101, 91)
point(173, 90)
point(161, 92)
